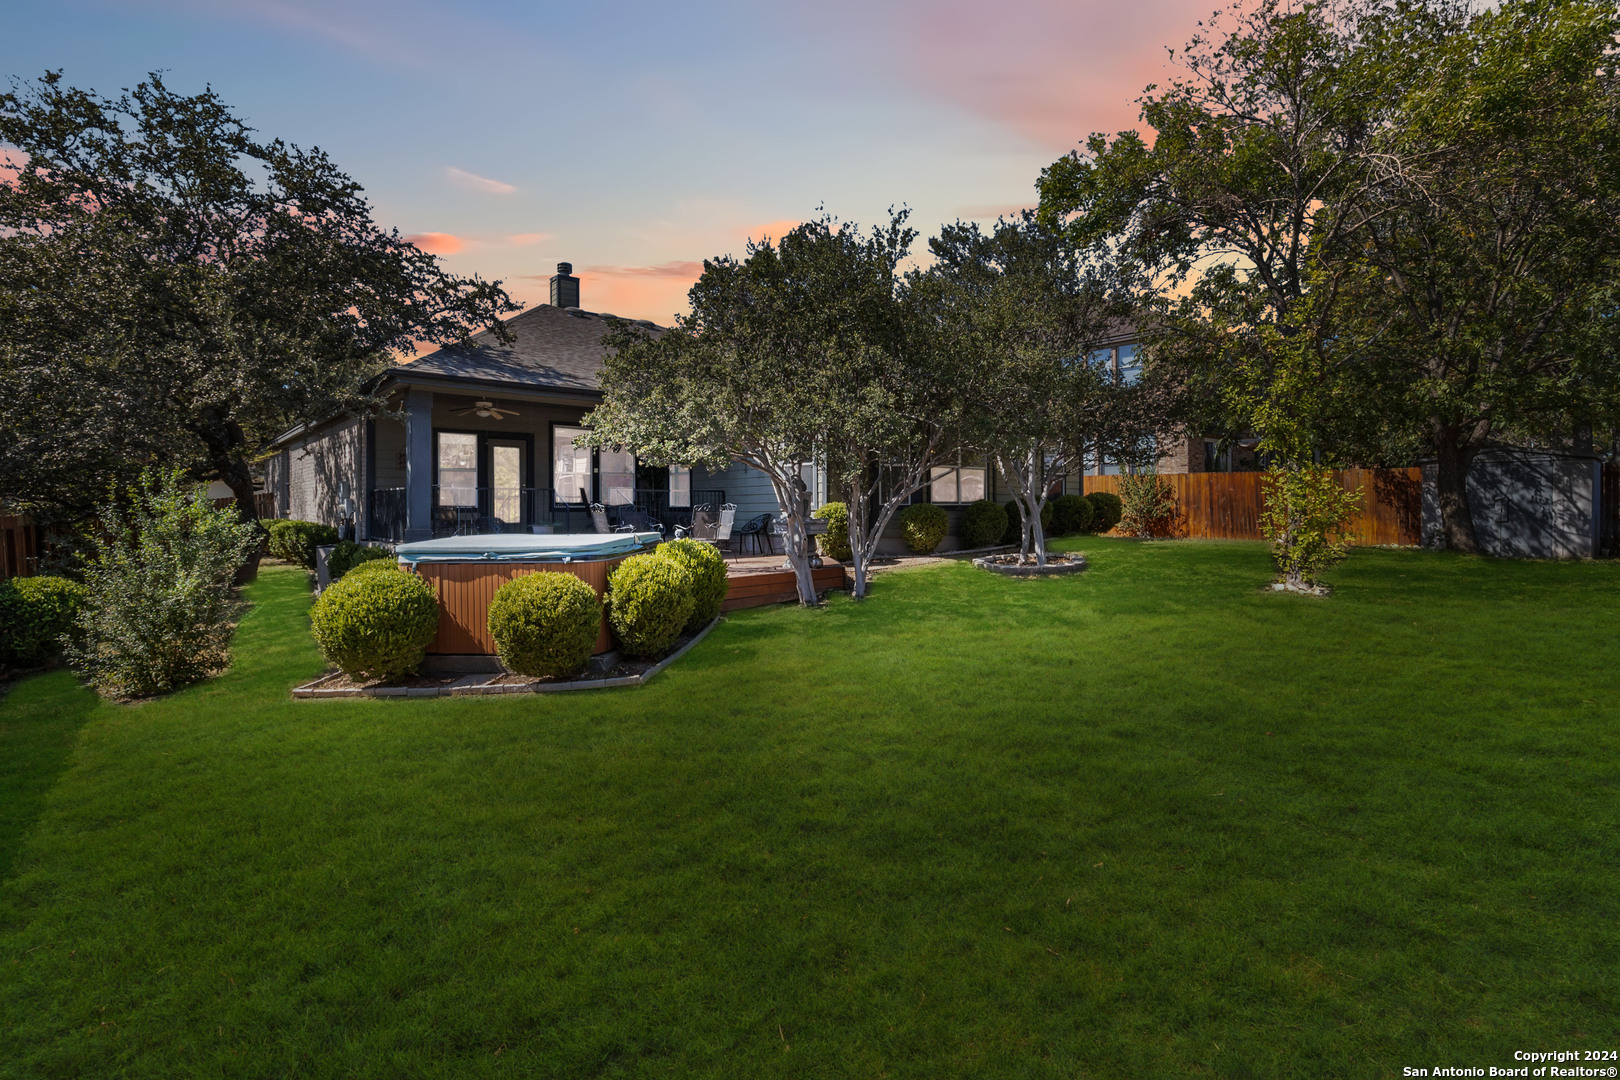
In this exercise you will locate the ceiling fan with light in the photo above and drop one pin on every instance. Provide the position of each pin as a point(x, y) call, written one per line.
point(486, 409)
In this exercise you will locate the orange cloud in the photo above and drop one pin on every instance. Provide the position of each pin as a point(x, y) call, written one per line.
point(437, 243)
point(474, 182)
point(774, 230)
point(524, 239)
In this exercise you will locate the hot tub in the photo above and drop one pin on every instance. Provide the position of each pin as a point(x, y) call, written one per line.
point(465, 571)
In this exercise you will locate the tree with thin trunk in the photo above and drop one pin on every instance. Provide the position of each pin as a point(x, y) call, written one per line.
point(1021, 303)
point(175, 290)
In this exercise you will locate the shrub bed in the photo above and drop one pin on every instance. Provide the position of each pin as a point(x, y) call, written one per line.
point(835, 544)
point(376, 624)
point(1106, 510)
point(1071, 514)
point(983, 523)
point(36, 613)
point(296, 541)
point(545, 623)
point(923, 525)
point(709, 581)
point(650, 601)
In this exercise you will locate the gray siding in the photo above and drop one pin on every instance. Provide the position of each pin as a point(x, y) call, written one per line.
point(319, 465)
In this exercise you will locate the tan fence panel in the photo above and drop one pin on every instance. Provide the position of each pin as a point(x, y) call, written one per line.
point(1226, 506)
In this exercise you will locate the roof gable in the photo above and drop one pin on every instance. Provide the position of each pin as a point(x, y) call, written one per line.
point(551, 347)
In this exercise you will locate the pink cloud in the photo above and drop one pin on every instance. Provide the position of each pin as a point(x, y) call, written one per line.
point(683, 271)
point(1054, 70)
point(524, 239)
point(437, 243)
point(474, 182)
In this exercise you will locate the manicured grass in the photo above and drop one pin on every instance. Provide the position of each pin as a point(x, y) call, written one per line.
point(1145, 822)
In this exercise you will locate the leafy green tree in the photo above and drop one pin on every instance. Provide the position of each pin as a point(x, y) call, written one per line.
point(175, 290)
point(1477, 303)
point(1438, 181)
point(806, 352)
point(1026, 311)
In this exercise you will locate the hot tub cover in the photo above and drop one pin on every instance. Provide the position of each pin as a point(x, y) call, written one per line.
point(523, 547)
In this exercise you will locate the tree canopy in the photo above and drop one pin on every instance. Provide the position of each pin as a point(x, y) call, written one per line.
point(1393, 225)
point(176, 290)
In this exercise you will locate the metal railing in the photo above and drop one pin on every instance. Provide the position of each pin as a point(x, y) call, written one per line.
point(469, 511)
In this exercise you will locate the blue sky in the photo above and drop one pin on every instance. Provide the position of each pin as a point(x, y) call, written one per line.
point(636, 139)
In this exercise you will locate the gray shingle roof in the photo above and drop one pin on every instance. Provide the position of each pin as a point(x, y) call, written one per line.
point(552, 347)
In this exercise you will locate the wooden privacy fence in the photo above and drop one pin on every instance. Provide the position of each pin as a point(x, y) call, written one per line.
point(19, 546)
point(1226, 506)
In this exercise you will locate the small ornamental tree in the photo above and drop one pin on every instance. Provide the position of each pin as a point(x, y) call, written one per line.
point(1147, 504)
point(159, 607)
point(809, 352)
point(1030, 312)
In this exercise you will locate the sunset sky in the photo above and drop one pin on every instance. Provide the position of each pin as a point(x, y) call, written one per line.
point(635, 139)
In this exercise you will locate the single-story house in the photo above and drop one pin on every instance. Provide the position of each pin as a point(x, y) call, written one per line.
point(485, 443)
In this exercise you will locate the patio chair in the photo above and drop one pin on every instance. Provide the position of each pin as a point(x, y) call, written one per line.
point(599, 521)
point(699, 517)
point(753, 533)
point(722, 527)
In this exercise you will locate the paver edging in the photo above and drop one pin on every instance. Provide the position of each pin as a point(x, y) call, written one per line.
point(467, 686)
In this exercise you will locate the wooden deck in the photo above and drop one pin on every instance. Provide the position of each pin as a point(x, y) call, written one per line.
point(760, 580)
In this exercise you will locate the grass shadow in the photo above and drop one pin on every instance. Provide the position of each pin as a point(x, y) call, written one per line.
point(39, 723)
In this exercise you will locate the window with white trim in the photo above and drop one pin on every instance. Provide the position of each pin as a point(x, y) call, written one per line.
point(955, 484)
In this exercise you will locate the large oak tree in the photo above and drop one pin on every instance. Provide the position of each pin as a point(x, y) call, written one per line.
point(176, 290)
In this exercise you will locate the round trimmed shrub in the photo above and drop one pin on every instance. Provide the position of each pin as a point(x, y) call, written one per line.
point(1070, 514)
point(709, 581)
point(377, 624)
point(835, 544)
point(370, 566)
point(348, 555)
point(1106, 510)
point(649, 603)
point(983, 524)
point(1011, 536)
point(545, 623)
point(296, 541)
point(36, 613)
point(923, 525)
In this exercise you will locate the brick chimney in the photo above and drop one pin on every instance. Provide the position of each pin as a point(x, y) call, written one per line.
point(564, 287)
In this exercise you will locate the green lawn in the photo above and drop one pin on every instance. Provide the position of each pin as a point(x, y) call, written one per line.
point(1145, 822)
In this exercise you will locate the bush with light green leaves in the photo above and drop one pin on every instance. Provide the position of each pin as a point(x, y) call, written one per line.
point(377, 622)
point(36, 615)
point(835, 543)
point(923, 525)
point(709, 580)
point(296, 541)
point(348, 555)
point(545, 624)
point(650, 601)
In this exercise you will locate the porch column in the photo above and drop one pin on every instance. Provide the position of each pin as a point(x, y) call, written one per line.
point(418, 465)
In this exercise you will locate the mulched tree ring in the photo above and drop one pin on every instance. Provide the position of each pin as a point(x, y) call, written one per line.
point(1012, 566)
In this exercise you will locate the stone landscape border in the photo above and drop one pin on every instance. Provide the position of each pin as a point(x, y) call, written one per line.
point(483, 683)
point(1075, 565)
